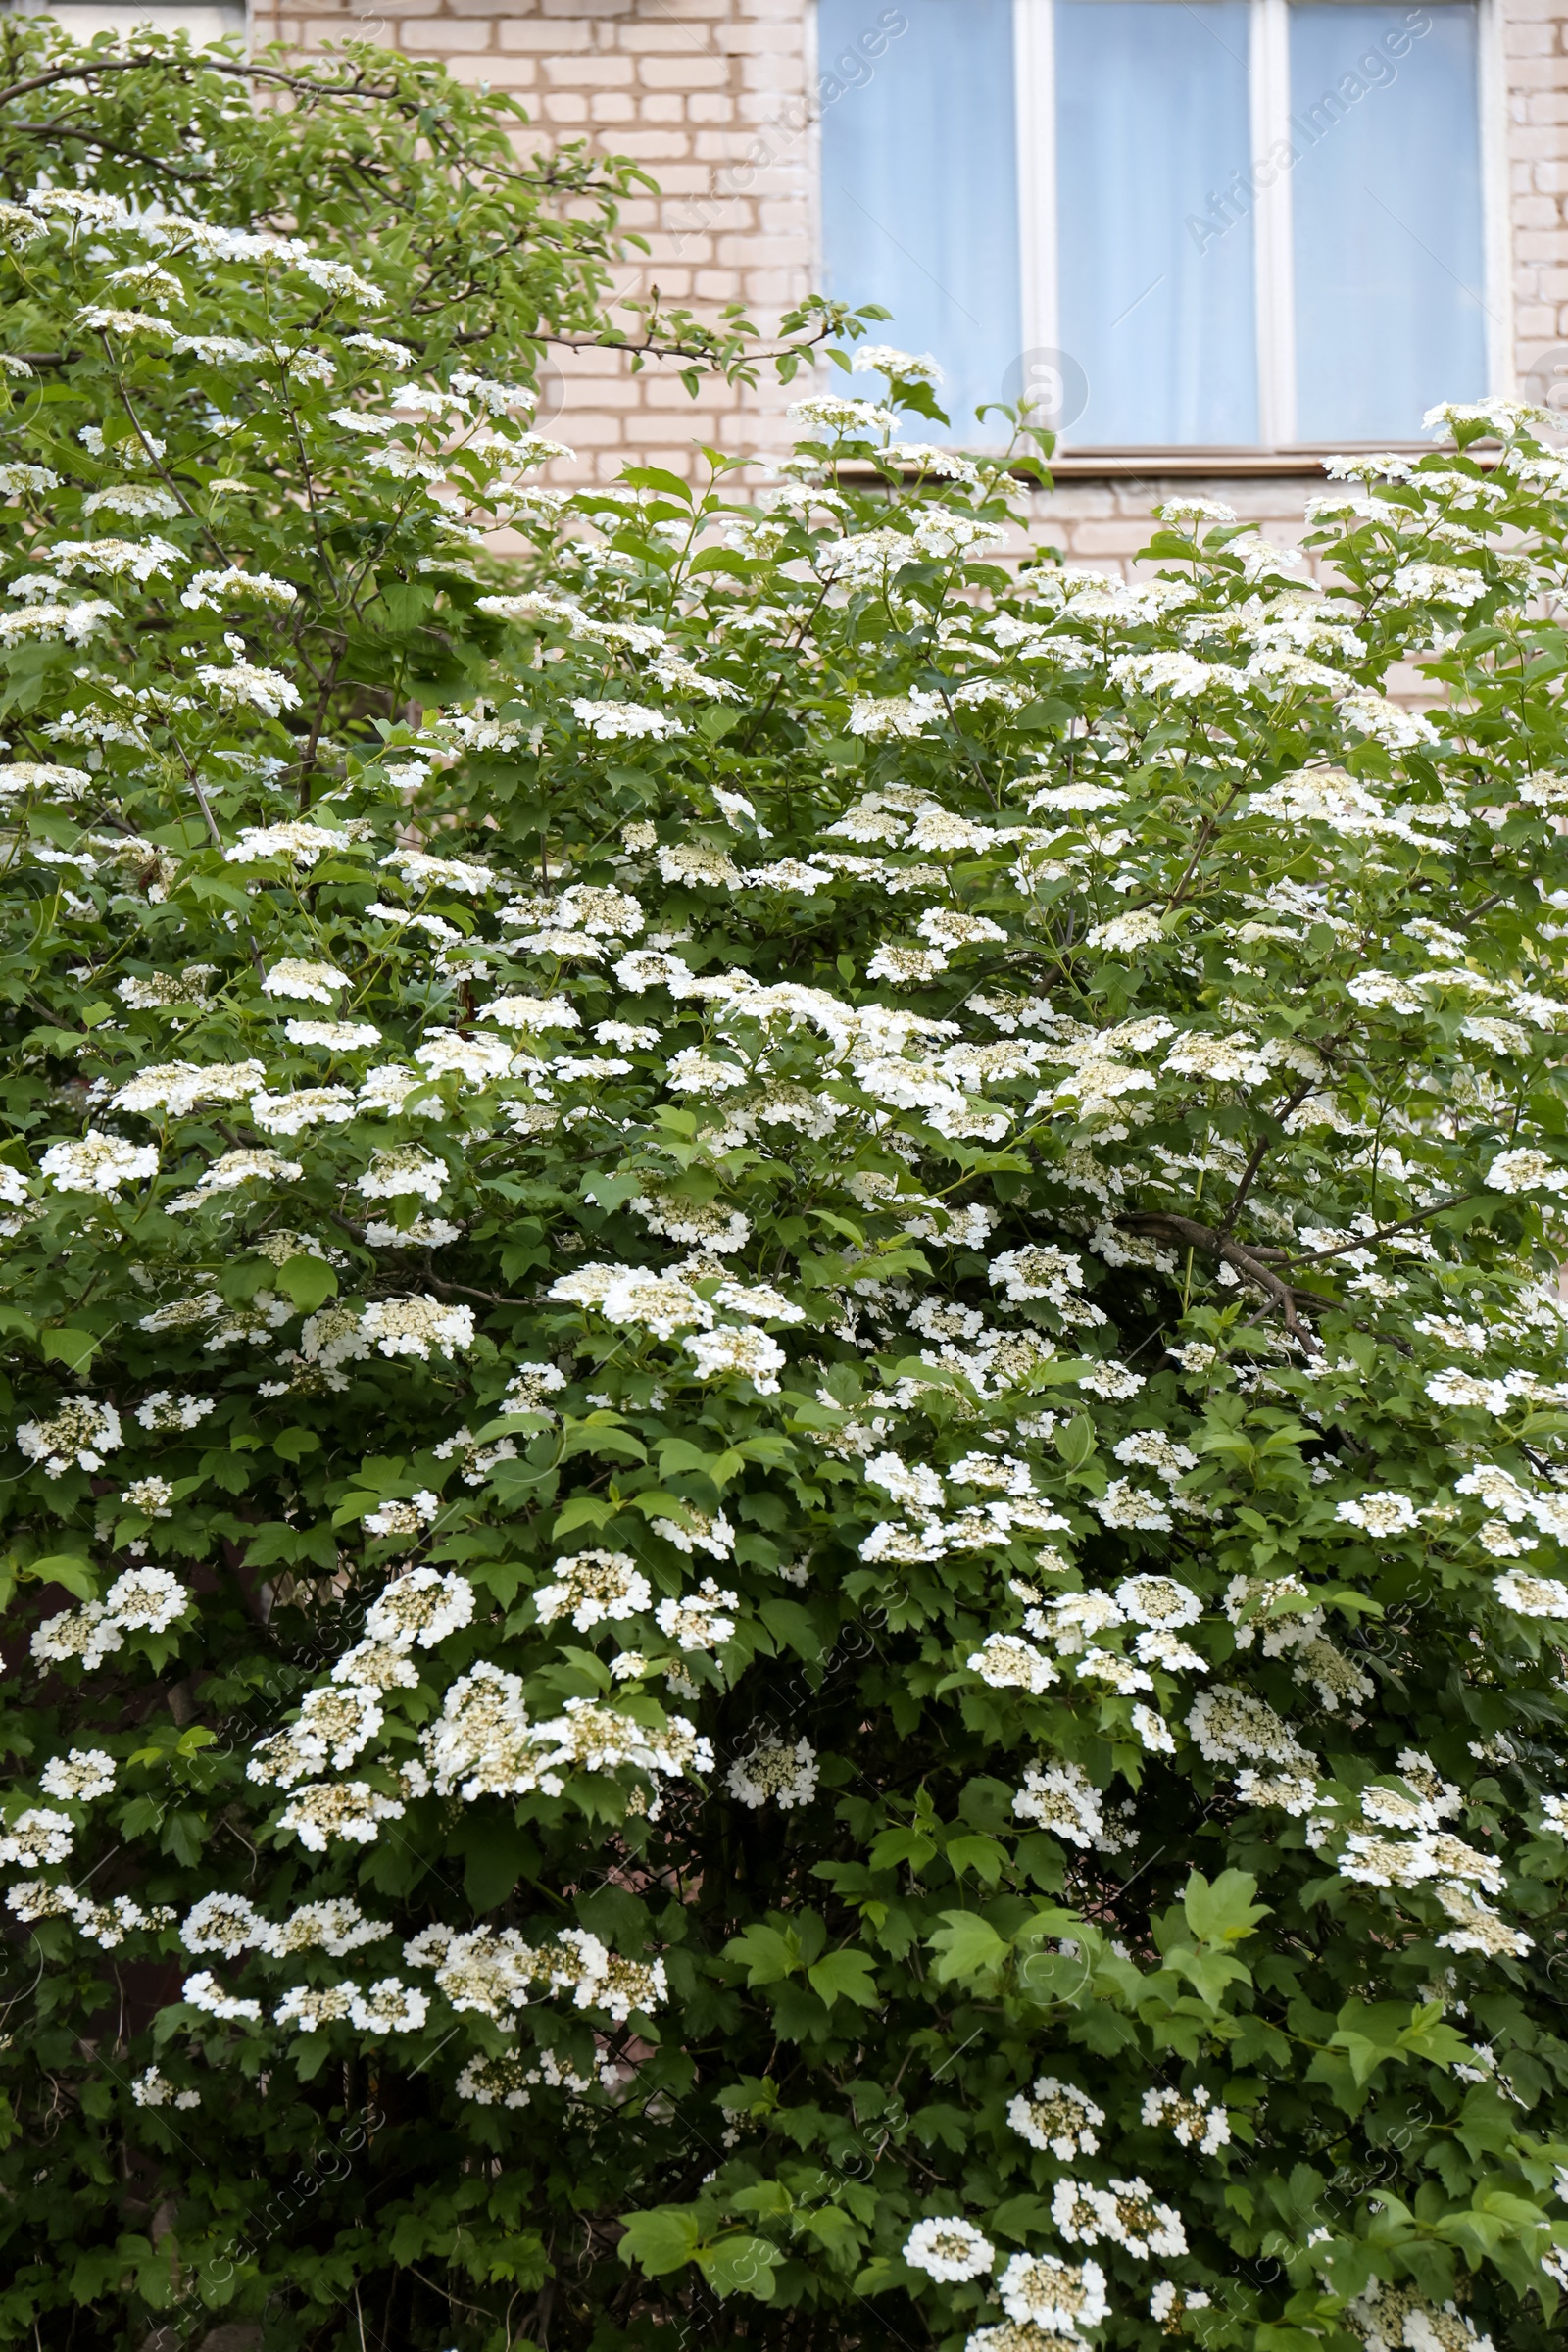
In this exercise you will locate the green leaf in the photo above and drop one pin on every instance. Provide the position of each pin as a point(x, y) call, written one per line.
point(983, 1855)
point(890, 1847)
point(1076, 1442)
point(1224, 1912)
point(740, 2266)
point(589, 1436)
point(68, 1569)
point(845, 1976)
point(969, 1949)
point(661, 2239)
point(309, 1281)
point(655, 477)
point(70, 1347)
point(767, 1955)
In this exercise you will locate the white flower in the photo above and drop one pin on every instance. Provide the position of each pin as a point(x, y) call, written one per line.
point(152, 2088)
point(1231, 1726)
point(232, 1169)
point(99, 1163)
point(1532, 1595)
point(884, 359)
point(828, 417)
point(152, 1495)
point(1113, 1381)
point(180, 1087)
point(424, 1606)
point(1063, 1799)
point(1527, 1172)
point(302, 983)
point(38, 1839)
point(1388, 1513)
point(306, 1106)
point(308, 2010)
point(615, 722)
point(415, 1326)
point(1127, 2215)
point(1040, 2291)
point(1219, 1061)
point(695, 1621)
point(1123, 1504)
point(752, 1354)
point(714, 1535)
point(1479, 1929)
point(390, 2007)
point(474, 1059)
point(1465, 1390)
point(594, 1586)
point(220, 1923)
point(1177, 675)
point(1159, 1600)
point(426, 1233)
point(1037, 1272)
point(204, 1993)
point(89, 1634)
point(147, 1600)
point(1057, 2118)
point(535, 1013)
point(1192, 2117)
point(336, 1926)
point(949, 2249)
point(208, 592)
point(350, 1810)
point(82, 1432)
point(339, 1037)
point(398, 1518)
point(772, 1770)
point(242, 686)
point(423, 873)
point(403, 1170)
point(82, 1775)
point(1007, 1663)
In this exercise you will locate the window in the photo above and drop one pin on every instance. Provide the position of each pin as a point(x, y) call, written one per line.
point(1211, 223)
point(204, 19)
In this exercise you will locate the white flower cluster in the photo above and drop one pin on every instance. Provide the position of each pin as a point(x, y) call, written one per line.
point(143, 1601)
point(485, 1743)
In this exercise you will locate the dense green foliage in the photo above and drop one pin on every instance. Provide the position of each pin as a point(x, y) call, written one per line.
point(783, 1541)
point(384, 161)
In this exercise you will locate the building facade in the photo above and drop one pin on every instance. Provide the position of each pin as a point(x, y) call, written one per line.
point(1212, 238)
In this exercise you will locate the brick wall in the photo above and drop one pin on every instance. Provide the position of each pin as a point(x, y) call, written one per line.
point(707, 97)
point(1533, 40)
point(711, 98)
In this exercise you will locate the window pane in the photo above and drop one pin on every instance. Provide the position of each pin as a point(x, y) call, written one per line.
point(919, 186)
point(1390, 296)
point(1152, 114)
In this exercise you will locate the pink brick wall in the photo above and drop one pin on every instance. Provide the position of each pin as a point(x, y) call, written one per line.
point(711, 98)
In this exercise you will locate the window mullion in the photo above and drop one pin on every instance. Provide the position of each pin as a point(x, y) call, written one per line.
point(1035, 101)
point(1273, 257)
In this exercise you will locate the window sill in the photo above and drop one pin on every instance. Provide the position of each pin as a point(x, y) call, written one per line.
point(1187, 464)
point(1212, 464)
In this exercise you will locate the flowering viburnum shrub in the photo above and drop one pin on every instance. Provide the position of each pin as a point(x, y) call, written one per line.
point(787, 1505)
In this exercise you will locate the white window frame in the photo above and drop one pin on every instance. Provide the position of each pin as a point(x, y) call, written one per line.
point(1035, 91)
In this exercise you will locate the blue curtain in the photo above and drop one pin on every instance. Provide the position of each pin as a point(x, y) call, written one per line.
point(1151, 120)
point(1389, 294)
point(919, 186)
